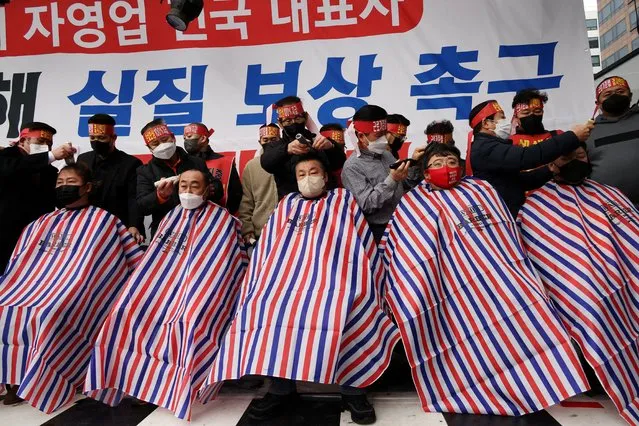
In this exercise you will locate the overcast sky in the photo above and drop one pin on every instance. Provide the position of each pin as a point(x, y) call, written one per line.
point(590, 4)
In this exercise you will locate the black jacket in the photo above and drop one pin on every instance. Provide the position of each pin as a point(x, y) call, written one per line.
point(115, 185)
point(27, 191)
point(235, 185)
point(277, 161)
point(148, 203)
point(500, 162)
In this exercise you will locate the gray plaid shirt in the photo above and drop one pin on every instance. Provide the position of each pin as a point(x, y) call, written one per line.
point(377, 194)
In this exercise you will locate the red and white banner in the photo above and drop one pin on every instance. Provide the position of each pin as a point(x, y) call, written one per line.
point(65, 60)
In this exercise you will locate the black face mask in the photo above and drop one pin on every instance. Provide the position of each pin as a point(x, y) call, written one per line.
point(67, 194)
point(397, 144)
point(575, 172)
point(294, 129)
point(616, 104)
point(101, 148)
point(532, 125)
point(192, 145)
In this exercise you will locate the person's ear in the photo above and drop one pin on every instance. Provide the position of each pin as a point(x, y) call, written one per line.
point(89, 187)
point(202, 139)
point(325, 177)
point(426, 176)
point(114, 138)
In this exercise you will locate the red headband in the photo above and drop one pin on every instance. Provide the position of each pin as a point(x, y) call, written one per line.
point(28, 133)
point(534, 104)
point(156, 133)
point(398, 128)
point(198, 129)
point(611, 82)
point(370, 126)
point(101, 129)
point(335, 135)
point(290, 111)
point(491, 109)
point(270, 132)
point(439, 138)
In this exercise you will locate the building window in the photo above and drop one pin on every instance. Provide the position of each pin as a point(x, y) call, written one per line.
point(596, 61)
point(633, 20)
point(593, 42)
point(635, 44)
point(613, 34)
point(609, 10)
point(615, 57)
point(591, 24)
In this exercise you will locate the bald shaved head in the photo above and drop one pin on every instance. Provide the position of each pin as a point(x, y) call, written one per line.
point(193, 181)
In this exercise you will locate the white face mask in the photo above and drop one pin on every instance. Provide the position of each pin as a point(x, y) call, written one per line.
point(379, 145)
point(190, 201)
point(311, 186)
point(164, 151)
point(502, 129)
point(37, 148)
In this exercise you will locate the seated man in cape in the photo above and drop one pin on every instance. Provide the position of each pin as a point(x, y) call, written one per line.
point(159, 340)
point(583, 238)
point(480, 333)
point(60, 284)
point(310, 306)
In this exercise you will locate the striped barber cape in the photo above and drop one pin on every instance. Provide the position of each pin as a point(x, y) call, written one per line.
point(165, 330)
point(310, 306)
point(479, 331)
point(64, 276)
point(584, 242)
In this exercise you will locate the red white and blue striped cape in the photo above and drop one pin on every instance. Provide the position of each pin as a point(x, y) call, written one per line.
point(584, 242)
point(480, 333)
point(64, 276)
point(165, 330)
point(310, 307)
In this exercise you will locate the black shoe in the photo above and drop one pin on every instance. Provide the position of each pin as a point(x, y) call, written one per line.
point(269, 406)
point(362, 412)
point(12, 398)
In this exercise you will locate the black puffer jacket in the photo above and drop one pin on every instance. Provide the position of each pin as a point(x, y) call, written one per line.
point(500, 162)
point(148, 203)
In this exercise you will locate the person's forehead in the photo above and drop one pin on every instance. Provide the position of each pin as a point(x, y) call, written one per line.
point(308, 164)
point(442, 157)
point(192, 177)
point(67, 174)
point(615, 89)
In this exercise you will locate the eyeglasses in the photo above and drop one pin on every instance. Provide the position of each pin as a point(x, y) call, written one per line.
point(288, 121)
point(450, 162)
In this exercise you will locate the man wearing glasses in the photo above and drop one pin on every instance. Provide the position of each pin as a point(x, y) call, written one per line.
point(280, 157)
